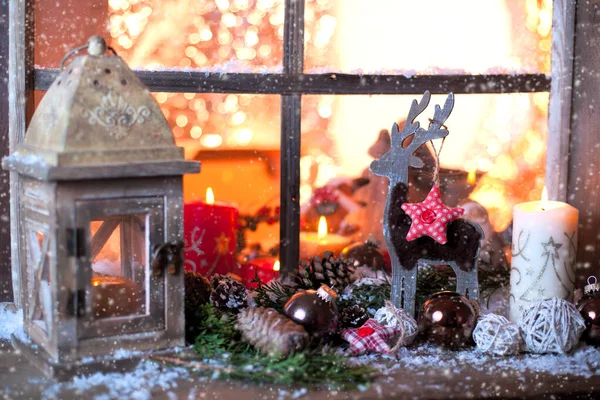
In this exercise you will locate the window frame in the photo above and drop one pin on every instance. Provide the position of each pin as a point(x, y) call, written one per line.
point(291, 84)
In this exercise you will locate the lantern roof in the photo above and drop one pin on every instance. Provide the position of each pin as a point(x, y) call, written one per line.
point(98, 120)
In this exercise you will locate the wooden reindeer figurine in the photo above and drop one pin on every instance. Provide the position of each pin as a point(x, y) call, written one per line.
point(460, 251)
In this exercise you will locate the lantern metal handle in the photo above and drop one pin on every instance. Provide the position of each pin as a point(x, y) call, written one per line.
point(96, 46)
point(167, 256)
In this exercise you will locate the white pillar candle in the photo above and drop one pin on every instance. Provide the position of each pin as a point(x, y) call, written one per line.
point(544, 244)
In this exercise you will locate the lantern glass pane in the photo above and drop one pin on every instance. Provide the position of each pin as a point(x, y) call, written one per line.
point(119, 279)
point(407, 37)
point(40, 306)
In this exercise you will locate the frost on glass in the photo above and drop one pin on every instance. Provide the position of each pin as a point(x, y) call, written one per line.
point(428, 36)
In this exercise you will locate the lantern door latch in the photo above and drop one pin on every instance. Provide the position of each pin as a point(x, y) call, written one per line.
point(167, 256)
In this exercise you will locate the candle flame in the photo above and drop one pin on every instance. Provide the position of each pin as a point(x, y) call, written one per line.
point(471, 177)
point(276, 266)
point(544, 198)
point(322, 231)
point(210, 196)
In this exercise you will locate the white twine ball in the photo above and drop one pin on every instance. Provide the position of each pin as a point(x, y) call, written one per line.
point(496, 335)
point(551, 326)
point(389, 315)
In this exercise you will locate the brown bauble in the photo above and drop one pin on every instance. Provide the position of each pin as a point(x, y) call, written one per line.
point(315, 310)
point(447, 320)
point(367, 253)
point(589, 308)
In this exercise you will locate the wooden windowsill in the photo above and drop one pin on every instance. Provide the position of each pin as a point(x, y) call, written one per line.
point(21, 380)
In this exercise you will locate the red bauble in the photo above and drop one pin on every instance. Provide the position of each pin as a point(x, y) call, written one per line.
point(448, 320)
point(589, 308)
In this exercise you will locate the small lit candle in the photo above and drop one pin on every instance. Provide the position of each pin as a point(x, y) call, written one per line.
point(544, 245)
point(209, 232)
point(315, 243)
point(471, 177)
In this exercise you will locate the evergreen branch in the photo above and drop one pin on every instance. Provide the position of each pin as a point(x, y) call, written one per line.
point(221, 343)
point(272, 295)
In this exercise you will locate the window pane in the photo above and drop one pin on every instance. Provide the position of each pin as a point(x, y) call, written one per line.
point(237, 139)
point(428, 36)
point(499, 139)
point(62, 25)
point(236, 35)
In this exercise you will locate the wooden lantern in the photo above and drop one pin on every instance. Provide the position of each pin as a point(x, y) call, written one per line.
point(101, 216)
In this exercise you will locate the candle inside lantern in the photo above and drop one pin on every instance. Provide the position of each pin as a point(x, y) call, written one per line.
point(315, 243)
point(209, 232)
point(544, 245)
point(115, 296)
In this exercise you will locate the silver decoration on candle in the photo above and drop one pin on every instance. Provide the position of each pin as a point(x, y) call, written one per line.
point(536, 292)
point(394, 165)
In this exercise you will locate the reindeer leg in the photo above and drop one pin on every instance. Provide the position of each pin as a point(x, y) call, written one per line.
point(460, 279)
point(397, 276)
point(397, 287)
point(473, 284)
point(467, 283)
point(410, 289)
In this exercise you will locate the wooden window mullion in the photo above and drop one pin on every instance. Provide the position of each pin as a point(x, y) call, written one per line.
point(328, 83)
point(293, 66)
point(21, 107)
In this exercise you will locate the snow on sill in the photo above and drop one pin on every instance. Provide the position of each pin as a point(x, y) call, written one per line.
point(583, 362)
point(140, 383)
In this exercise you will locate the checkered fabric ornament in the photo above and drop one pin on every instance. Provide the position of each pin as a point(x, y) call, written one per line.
point(370, 337)
point(431, 217)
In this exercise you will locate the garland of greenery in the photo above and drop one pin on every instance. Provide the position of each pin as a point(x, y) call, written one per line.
point(220, 348)
point(221, 343)
point(430, 280)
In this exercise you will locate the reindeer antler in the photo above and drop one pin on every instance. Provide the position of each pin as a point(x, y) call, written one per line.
point(394, 164)
point(434, 131)
point(410, 126)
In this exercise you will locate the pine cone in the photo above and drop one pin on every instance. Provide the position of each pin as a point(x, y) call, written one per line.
point(271, 332)
point(326, 270)
point(353, 316)
point(197, 292)
point(228, 293)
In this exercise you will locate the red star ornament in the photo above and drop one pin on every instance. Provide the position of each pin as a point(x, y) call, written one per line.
point(431, 217)
point(370, 337)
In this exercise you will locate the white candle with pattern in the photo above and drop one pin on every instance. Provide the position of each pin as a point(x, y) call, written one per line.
point(544, 245)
